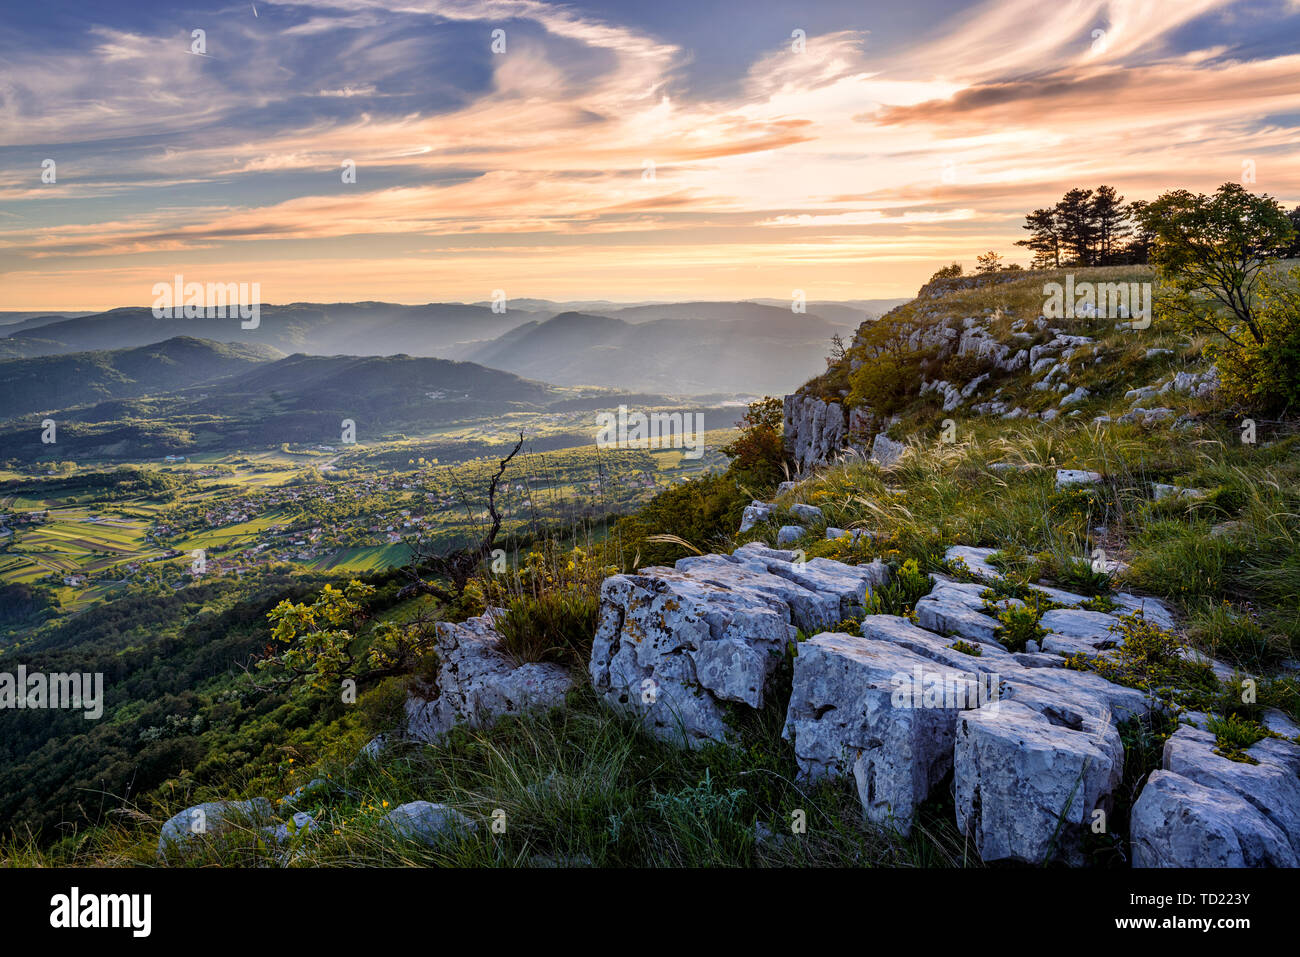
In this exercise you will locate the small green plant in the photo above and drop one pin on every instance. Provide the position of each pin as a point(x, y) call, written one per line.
point(1019, 625)
point(1102, 603)
point(1233, 734)
point(1079, 575)
point(899, 596)
point(966, 648)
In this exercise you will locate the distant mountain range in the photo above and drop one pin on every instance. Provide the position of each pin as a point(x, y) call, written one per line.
point(693, 347)
point(188, 395)
point(84, 378)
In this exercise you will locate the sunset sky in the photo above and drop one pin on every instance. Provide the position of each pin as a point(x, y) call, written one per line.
point(905, 135)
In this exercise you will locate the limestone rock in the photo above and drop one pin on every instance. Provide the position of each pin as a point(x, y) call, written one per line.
point(1176, 822)
point(886, 451)
point(754, 513)
point(808, 514)
point(853, 708)
point(1068, 477)
point(789, 534)
point(479, 682)
point(193, 824)
point(427, 823)
point(1026, 780)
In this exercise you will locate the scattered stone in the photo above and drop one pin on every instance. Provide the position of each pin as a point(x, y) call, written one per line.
point(754, 513)
point(214, 818)
point(428, 823)
point(1068, 477)
point(789, 534)
point(885, 451)
point(1159, 492)
point(808, 514)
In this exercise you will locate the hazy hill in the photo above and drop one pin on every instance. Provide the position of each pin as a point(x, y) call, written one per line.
point(357, 328)
point(721, 347)
point(81, 378)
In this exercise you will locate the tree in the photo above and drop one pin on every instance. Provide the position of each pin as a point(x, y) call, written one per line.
point(947, 272)
point(1044, 238)
point(1110, 223)
point(1265, 375)
point(1076, 220)
point(758, 454)
point(989, 263)
point(1292, 251)
point(1209, 252)
point(1138, 249)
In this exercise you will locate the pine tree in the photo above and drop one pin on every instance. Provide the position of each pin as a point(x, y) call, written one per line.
point(1078, 226)
point(1110, 223)
point(1044, 238)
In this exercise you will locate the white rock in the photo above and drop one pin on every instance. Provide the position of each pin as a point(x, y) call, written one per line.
point(851, 709)
point(192, 825)
point(428, 823)
point(886, 451)
point(809, 514)
point(1026, 781)
point(1272, 788)
point(1068, 477)
point(789, 534)
point(754, 513)
point(478, 682)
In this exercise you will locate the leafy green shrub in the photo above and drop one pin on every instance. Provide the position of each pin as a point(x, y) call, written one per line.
point(758, 453)
point(704, 511)
point(1233, 734)
point(1153, 660)
point(966, 648)
point(1262, 372)
point(899, 596)
point(1019, 625)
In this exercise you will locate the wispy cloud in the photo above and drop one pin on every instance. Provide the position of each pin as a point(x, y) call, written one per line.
point(580, 162)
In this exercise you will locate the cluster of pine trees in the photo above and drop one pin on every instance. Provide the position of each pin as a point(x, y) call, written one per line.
point(1087, 227)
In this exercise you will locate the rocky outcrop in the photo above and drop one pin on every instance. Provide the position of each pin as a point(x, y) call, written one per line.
point(815, 430)
point(479, 682)
point(858, 706)
point(678, 646)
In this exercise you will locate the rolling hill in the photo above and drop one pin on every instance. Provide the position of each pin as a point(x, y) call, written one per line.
point(721, 347)
point(83, 378)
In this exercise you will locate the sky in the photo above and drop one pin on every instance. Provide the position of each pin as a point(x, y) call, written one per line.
point(616, 150)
